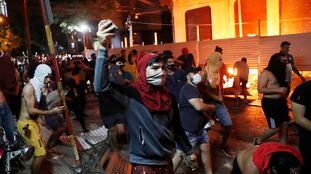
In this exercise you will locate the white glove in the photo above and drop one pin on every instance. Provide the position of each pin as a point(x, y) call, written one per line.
point(106, 29)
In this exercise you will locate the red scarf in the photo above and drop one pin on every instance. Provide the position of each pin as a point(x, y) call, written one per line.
point(262, 155)
point(155, 98)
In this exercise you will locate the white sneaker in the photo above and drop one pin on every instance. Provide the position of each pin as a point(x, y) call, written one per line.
point(209, 124)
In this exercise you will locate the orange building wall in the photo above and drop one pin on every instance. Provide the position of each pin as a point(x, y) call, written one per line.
point(295, 16)
point(199, 16)
point(252, 11)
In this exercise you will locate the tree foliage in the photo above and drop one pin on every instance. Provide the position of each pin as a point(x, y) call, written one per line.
point(69, 13)
point(8, 40)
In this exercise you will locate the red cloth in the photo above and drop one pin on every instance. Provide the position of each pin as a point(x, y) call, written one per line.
point(261, 157)
point(138, 57)
point(185, 51)
point(155, 98)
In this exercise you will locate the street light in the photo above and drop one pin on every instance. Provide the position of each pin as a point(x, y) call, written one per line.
point(3, 26)
point(3, 21)
point(83, 28)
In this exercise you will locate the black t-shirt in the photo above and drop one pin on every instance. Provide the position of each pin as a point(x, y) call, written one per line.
point(302, 95)
point(191, 119)
point(289, 57)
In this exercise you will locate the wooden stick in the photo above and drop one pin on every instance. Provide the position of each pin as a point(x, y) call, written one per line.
point(58, 81)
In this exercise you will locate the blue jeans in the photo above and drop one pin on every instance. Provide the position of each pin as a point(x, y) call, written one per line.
point(223, 115)
point(7, 121)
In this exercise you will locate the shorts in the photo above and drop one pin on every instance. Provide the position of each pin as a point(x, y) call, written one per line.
point(235, 167)
point(196, 138)
point(112, 121)
point(35, 138)
point(54, 121)
point(241, 82)
point(223, 115)
point(244, 82)
point(276, 111)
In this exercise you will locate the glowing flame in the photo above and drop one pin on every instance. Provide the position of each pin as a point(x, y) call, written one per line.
point(252, 78)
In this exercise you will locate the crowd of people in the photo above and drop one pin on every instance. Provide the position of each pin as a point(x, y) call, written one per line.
point(163, 106)
point(29, 99)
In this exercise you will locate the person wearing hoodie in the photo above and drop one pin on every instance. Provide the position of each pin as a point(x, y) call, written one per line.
point(27, 124)
point(152, 125)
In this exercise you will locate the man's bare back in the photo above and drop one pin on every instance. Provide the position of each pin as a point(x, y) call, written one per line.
point(245, 161)
point(261, 159)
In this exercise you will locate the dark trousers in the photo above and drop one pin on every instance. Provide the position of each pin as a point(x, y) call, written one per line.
point(235, 167)
point(81, 93)
point(74, 106)
point(148, 169)
point(305, 150)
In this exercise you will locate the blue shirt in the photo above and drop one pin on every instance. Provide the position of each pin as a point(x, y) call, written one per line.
point(191, 119)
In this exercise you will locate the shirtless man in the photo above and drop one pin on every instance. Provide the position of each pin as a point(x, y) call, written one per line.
point(273, 158)
point(272, 83)
point(27, 124)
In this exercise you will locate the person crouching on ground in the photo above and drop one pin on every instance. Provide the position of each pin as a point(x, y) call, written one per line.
point(268, 158)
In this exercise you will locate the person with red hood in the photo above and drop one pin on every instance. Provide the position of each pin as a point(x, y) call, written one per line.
point(153, 127)
point(268, 158)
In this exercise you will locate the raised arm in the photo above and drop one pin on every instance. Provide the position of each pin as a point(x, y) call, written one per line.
point(101, 78)
point(105, 32)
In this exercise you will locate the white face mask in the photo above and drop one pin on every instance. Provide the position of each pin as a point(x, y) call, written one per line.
point(196, 79)
point(154, 74)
